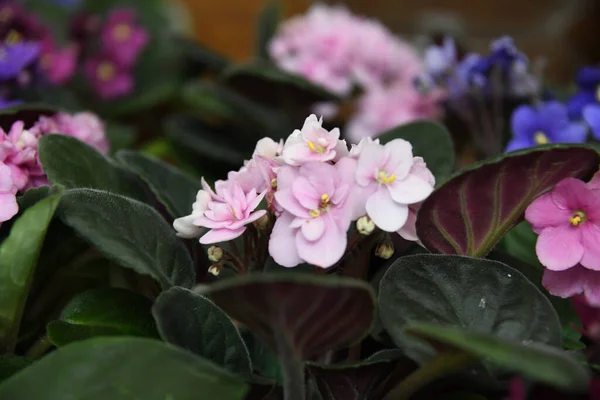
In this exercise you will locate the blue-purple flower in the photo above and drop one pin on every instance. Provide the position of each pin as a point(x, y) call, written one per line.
point(547, 123)
point(14, 58)
point(440, 60)
point(588, 82)
point(591, 115)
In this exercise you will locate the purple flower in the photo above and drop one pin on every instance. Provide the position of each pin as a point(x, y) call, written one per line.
point(439, 60)
point(588, 82)
point(14, 58)
point(122, 38)
point(591, 115)
point(107, 78)
point(546, 123)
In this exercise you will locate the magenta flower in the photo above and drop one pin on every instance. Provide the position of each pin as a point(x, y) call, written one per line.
point(8, 191)
point(18, 150)
point(573, 281)
point(313, 143)
point(107, 78)
point(568, 223)
point(123, 38)
point(58, 65)
point(316, 216)
point(228, 211)
point(387, 183)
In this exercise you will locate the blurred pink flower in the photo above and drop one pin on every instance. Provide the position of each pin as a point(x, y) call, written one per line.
point(108, 80)
point(123, 38)
point(8, 200)
point(85, 126)
point(18, 151)
point(58, 65)
point(574, 281)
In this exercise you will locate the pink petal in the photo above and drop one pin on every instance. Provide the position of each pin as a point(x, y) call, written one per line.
point(210, 223)
point(409, 229)
point(558, 248)
point(312, 229)
point(544, 212)
point(208, 189)
point(347, 169)
point(595, 182)
point(572, 194)
point(326, 251)
point(590, 239)
point(385, 212)
point(357, 200)
point(371, 158)
point(282, 243)
point(8, 206)
point(305, 193)
point(400, 157)
point(251, 218)
point(286, 199)
point(252, 204)
point(565, 283)
point(221, 235)
point(409, 190)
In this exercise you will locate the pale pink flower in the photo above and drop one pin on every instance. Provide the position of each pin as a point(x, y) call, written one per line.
point(356, 149)
point(567, 220)
point(18, 150)
point(316, 216)
point(228, 212)
point(313, 143)
point(387, 184)
point(8, 200)
point(185, 225)
point(85, 126)
point(268, 148)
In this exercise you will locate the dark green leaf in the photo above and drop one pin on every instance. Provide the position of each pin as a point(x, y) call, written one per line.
point(129, 232)
point(120, 136)
point(32, 196)
point(10, 364)
point(122, 369)
point(18, 260)
point(431, 141)
point(520, 242)
point(73, 164)
point(268, 19)
point(471, 212)
point(264, 361)
point(103, 312)
point(534, 361)
point(174, 188)
point(479, 295)
point(193, 322)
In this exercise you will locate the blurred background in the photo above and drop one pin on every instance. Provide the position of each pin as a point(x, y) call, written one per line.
point(565, 33)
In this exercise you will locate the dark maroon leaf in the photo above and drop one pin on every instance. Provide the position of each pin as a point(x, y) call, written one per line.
point(471, 212)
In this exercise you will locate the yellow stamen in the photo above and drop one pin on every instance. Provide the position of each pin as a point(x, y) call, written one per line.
point(541, 138)
point(105, 71)
point(13, 37)
point(316, 149)
point(577, 218)
point(122, 32)
point(314, 213)
point(383, 177)
point(274, 183)
point(325, 197)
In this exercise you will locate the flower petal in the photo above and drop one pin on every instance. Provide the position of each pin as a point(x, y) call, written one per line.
point(400, 157)
point(371, 158)
point(185, 227)
point(543, 213)
point(591, 115)
point(282, 243)
point(385, 212)
point(288, 202)
point(572, 194)
point(524, 122)
point(409, 190)
point(326, 251)
point(565, 284)
point(590, 239)
point(409, 229)
point(221, 235)
point(8, 206)
point(558, 248)
point(312, 229)
point(305, 193)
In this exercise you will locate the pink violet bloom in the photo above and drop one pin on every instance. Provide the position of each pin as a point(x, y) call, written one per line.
point(185, 225)
point(18, 150)
point(230, 208)
point(85, 126)
point(8, 200)
point(313, 143)
point(572, 282)
point(123, 38)
point(316, 216)
point(388, 182)
point(107, 79)
point(567, 220)
point(356, 149)
point(268, 148)
point(58, 65)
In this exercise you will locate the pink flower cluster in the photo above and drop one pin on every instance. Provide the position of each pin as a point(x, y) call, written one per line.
point(314, 187)
point(568, 223)
point(340, 51)
point(20, 167)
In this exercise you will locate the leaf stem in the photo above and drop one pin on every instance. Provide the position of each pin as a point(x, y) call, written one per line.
point(441, 365)
point(39, 348)
point(293, 369)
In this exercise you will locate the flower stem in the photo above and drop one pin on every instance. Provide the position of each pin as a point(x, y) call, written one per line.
point(39, 348)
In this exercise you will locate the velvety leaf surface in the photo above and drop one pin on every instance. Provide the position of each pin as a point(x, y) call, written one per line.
point(313, 313)
point(103, 312)
point(18, 260)
point(129, 232)
point(265, 362)
point(73, 164)
point(534, 361)
point(175, 189)
point(430, 140)
point(471, 212)
point(122, 369)
point(479, 295)
point(268, 19)
point(188, 320)
point(11, 364)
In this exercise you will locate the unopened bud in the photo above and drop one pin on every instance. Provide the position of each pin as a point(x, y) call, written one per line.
point(215, 269)
point(385, 249)
point(365, 225)
point(262, 222)
point(215, 253)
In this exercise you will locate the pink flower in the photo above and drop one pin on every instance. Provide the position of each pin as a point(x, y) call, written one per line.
point(58, 65)
point(85, 126)
point(122, 38)
point(356, 149)
point(388, 181)
point(185, 225)
point(228, 211)
point(313, 143)
point(574, 281)
point(268, 148)
point(8, 191)
point(568, 223)
point(316, 216)
point(107, 78)
point(18, 150)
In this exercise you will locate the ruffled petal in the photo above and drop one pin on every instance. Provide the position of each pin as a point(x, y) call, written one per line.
point(326, 251)
point(282, 243)
point(221, 235)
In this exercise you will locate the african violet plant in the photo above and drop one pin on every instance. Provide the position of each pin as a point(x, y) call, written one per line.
point(316, 270)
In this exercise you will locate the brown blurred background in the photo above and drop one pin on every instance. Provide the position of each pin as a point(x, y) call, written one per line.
point(565, 32)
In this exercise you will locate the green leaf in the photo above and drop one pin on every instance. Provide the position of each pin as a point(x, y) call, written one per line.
point(520, 242)
point(11, 364)
point(268, 19)
point(193, 322)
point(103, 312)
point(69, 162)
point(198, 58)
point(471, 212)
point(122, 369)
point(18, 260)
point(175, 189)
point(120, 136)
point(430, 140)
point(130, 233)
point(264, 361)
point(534, 361)
point(480, 295)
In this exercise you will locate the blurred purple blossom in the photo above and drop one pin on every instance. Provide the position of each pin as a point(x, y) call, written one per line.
point(588, 82)
point(123, 38)
point(107, 78)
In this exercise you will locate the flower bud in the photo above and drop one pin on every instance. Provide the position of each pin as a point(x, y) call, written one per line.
point(365, 225)
point(262, 222)
point(215, 269)
point(385, 249)
point(215, 253)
